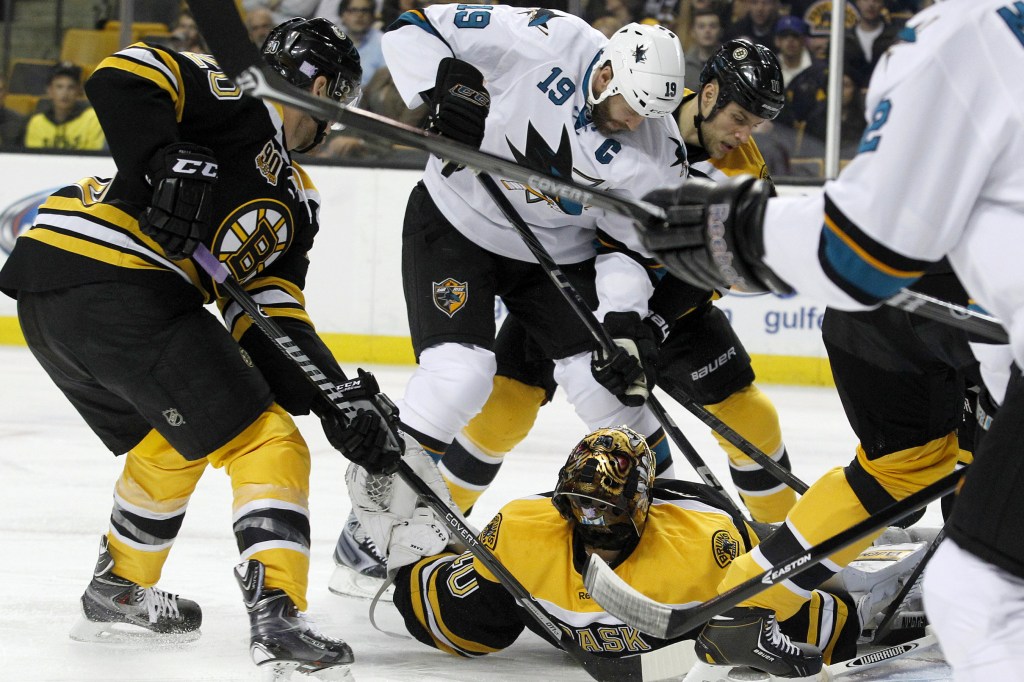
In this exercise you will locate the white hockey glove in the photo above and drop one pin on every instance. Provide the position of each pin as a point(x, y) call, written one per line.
point(391, 514)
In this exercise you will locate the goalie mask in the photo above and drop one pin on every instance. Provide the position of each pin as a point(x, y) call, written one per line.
point(302, 49)
point(604, 489)
point(647, 70)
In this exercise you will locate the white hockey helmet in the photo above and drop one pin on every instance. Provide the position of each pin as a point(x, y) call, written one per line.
point(647, 69)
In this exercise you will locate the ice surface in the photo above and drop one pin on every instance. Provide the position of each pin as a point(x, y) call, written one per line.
point(57, 481)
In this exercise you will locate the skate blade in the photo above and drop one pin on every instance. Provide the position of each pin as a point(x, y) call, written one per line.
point(86, 630)
point(282, 671)
point(346, 582)
point(705, 672)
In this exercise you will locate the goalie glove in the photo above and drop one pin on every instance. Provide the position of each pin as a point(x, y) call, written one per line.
point(714, 234)
point(390, 513)
point(366, 429)
point(178, 218)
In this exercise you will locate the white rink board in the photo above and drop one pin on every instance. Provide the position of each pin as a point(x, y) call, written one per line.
point(354, 284)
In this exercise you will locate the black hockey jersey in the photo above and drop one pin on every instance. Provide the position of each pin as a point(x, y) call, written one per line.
point(264, 211)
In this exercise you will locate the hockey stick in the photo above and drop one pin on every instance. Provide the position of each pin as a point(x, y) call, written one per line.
point(755, 453)
point(601, 669)
point(667, 621)
point(225, 33)
point(608, 345)
point(885, 626)
point(596, 329)
point(949, 313)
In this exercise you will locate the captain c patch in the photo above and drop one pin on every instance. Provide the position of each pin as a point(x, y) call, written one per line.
point(450, 296)
point(725, 547)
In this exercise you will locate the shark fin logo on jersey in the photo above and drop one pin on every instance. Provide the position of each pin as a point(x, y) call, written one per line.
point(253, 236)
point(269, 162)
point(681, 160)
point(539, 156)
point(640, 54)
point(450, 295)
point(724, 547)
point(540, 17)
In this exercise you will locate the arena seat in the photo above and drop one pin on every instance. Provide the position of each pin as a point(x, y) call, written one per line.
point(29, 76)
point(88, 47)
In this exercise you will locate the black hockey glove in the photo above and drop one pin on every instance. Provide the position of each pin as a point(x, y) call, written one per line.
point(629, 374)
point(459, 105)
point(182, 176)
point(714, 236)
point(366, 431)
point(460, 102)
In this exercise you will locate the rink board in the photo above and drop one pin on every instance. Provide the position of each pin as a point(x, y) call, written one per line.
point(356, 297)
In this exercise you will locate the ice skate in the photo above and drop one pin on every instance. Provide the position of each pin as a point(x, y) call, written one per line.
point(747, 636)
point(359, 569)
point(282, 640)
point(115, 609)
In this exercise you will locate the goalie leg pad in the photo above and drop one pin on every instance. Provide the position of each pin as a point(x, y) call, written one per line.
point(390, 513)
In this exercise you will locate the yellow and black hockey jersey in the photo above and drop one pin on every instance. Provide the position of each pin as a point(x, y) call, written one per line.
point(453, 603)
point(264, 211)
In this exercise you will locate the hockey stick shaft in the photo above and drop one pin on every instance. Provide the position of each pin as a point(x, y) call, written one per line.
point(666, 621)
point(596, 329)
point(607, 344)
point(949, 313)
point(781, 473)
point(599, 668)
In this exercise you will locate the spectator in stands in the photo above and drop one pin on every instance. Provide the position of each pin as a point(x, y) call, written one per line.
point(791, 35)
point(868, 40)
point(851, 118)
point(625, 11)
point(357, 17)
point(759, 24)
point(64, 121)
point(607, 25)
point(818, 15)
point(259, 21)
point(283, 10)
point(706, 34)
point(12, 124)
point(185, 36)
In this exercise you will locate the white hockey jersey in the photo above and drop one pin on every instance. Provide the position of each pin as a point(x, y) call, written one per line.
point(536, 65)
point(939, 171)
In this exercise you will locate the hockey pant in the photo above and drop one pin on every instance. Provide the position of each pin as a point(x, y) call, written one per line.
point(268, 463)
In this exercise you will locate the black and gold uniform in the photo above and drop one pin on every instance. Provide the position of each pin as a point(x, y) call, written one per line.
point(122, 329)
point(453, 603)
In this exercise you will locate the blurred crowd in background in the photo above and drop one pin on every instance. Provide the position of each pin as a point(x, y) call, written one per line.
point(43, 105)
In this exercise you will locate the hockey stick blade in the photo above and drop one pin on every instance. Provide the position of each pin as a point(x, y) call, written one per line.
point(669, 621)
point(872, 659)
point(224, 32)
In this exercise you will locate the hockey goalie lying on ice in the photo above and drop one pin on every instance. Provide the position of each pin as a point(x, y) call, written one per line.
point(671, 539)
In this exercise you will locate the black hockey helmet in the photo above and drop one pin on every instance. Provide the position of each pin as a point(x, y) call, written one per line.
point(748, 74)
point(302, 49)
point(604, 488)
